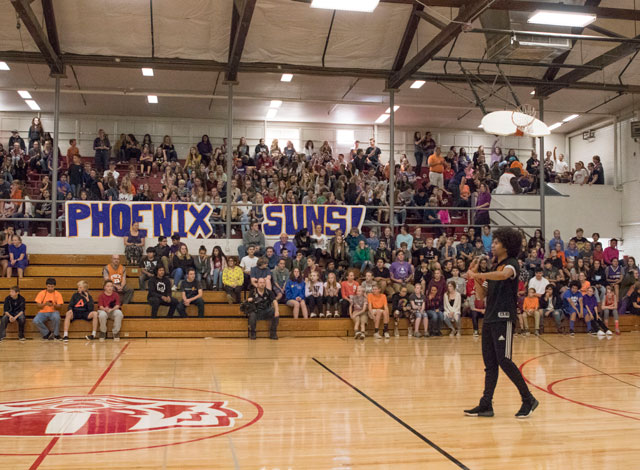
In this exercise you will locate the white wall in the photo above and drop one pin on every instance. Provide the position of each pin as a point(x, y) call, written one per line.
point(602, 145)
point(630, 183)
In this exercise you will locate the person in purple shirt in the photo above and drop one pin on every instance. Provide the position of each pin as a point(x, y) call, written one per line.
point(285, 243)
point(401, 273)
point(483, 202)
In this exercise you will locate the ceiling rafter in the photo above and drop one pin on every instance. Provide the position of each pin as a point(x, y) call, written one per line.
point(239, 31)
point(407, 37)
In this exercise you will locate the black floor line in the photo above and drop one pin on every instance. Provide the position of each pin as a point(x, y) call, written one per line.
point(390, 414)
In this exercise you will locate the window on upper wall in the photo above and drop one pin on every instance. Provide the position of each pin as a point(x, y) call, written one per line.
point(283, 136)
point(345, 137)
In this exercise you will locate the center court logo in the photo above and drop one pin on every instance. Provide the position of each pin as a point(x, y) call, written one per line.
point(110, 414)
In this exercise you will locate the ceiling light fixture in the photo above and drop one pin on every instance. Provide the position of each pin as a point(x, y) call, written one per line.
point(395, 108)
point(382, 118)
point(286, 77)
point(570, 118)
point(147, 72)
point(272, 113)
point(557, 18)
point(24, 94)
point(275, 104)
point(152, 99)
point(417, 84)
point(555, 126)
point(348, 5)
point(33, 105)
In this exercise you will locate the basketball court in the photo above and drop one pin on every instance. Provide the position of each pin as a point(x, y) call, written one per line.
point(315, 403)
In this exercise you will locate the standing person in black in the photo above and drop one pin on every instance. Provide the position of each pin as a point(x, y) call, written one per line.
point(499, 288)
point(14, 308)
point(160, 293)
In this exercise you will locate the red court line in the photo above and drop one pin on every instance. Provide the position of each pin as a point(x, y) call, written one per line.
point(54, 440)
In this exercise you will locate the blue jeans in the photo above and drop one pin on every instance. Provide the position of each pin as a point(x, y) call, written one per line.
point(419, 156)
point(42, 317)
point(178, 274)
point(436, 318)
point(216, 278)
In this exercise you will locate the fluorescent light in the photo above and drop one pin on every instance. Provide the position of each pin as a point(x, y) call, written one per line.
point(533, 92)
point(557, 18)
point(33, 105)
point(153, 99)
point(555, 126)
point(349, 5)
point(382, 118)
point(271, 114)
point(286, 77)
point(24, 94)
point(570, 118)
point(4, 66)
point(147, 72)
point(275, 104)
point(417, 84)
point(395, 108)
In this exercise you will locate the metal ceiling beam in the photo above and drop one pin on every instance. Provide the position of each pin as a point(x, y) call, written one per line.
point(524, 63)
point(407, 37)
point(50, 23)
point(574, 76)
point(468, 13)
point(605, 32)
point(552, 72)
point(377, 74)
point(239, 37)
point(28, 18)
point(521, 5)
point(431, 19)
point(544, 34)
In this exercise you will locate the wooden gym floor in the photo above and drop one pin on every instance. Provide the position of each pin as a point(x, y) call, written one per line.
point(315, 403)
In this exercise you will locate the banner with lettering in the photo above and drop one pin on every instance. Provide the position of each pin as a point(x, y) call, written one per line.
point(97, 219)
point(291, 218)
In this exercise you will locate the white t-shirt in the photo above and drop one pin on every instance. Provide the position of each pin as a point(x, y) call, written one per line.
point(539, 286)
point(561, 166)
point(247, 263)
point(504, 184)
point(580, 176)
point(322, 242)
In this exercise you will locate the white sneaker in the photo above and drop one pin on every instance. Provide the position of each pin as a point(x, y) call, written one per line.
point(386, 334)
point(356, 335)
point(377, 336)
point(453, 333)
point(609, 332)
point(336, 315)
point(396, 332)
point(313, 315)
point(174, 288)
point(321, 315)
point(601, 333)
point(458, 333)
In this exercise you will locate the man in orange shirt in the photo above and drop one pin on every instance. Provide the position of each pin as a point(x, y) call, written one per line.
point(436, 168)
point(48, 301)
point(530, 308)
point(116, 273)
point(378, 308)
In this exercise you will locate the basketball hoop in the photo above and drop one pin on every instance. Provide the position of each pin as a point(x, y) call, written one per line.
point(523, 118)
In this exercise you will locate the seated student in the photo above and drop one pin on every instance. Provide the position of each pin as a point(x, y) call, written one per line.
point(418, 306)
point(378, 308)
point(313, 295)
point(332, 295)
point(383, 253)
point(348, 288)
point(191, 292)
point(572, 304)
point(147, 265)
point(272, 259)
point(401, 273)
point(530, 308)
point(163, 252)
point(634, 299)
point(362, 257)
point(295, 290)
point(369, 283)
point(460, 282)
point(261, 271)
point(613, 274)
point(202, 266)
point(382, 276)
point(279, 277)
point(401, 307)
point(266, 308)
point(464, 249)
point(233, 281)
point(181, 262)
point(550, 305)
point(358, 312)
point(116, 273)
point(610, 306)
point(14, 311)
point(592, 314)
point(299, 262)
point(109, 308)
point(312, 267)
point(478, 308)
point(48, 301)
point(247, 263)
point(452, 304)
point(81, 308)
point(434, 309)
point(18, 259)
point(159, 293)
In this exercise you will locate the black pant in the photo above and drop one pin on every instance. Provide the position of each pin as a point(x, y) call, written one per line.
point(332, 302)
point(235, 292)
point(198, 302)
point(155, 303)
point(313, 302)
point(5, 321)
point(474, 318)
point(344, 307)
point(497, 340)
point(255, 315)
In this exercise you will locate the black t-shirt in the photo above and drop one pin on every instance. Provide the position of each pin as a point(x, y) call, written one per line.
point(264, 301)
point(384, 272)
point(429, 253)
point(598, 171)
point(190, 289)
point(502, 296)
point(149, 265)
point(399, 302)
point(419, 276)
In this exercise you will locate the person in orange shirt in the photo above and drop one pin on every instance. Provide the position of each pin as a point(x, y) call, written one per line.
point(378, 308)
point(436, 168)
point(48, 301)
point(530, 308)
point(72, 151)
point(584, 284)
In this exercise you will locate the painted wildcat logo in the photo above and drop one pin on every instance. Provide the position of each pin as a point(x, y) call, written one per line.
point(110, 414)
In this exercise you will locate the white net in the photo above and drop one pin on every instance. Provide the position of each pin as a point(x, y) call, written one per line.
point(523, 117)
